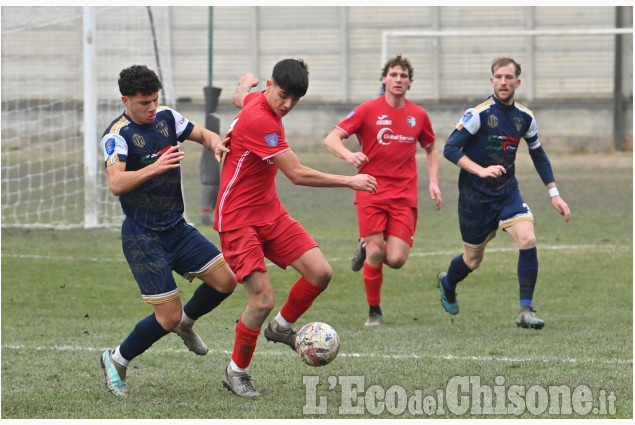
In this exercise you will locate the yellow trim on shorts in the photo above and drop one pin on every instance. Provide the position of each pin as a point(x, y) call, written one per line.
point(514, 220)
point(207, 269)
point(161, 298)
point(481, 247)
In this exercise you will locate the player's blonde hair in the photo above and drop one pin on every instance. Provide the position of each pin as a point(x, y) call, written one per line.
point(504, 61)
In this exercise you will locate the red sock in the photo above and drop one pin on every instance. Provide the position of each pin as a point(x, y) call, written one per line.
point(373, 278)
point(300, 298)
point(244, 344)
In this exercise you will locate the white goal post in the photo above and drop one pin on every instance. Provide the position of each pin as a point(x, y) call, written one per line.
point(60, 66)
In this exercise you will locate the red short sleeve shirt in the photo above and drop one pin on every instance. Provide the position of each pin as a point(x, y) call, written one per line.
point(389, 137)
point(247, 193)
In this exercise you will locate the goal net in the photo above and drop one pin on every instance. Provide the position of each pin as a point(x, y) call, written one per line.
point(47, 180)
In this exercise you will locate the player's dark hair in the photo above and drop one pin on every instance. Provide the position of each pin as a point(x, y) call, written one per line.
point(292, 75)
point(397, 61)
point(504, 61)
point(138, 79)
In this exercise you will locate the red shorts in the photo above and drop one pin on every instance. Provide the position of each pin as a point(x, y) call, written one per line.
point(282, 242)
point(396, 219)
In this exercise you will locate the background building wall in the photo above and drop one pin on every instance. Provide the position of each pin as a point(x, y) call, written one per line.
point(568, 81)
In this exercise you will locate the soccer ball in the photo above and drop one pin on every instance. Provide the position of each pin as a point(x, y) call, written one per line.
point(317, 344)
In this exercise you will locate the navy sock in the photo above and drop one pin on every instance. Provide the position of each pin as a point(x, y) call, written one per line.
point(204, 300)
point(527, 275)
point(457, 271)
point(147, 332)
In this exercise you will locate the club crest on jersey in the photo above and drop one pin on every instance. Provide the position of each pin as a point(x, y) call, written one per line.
point(162, 127)
point(519, 123)
point(138, 140)
point(110, 146)
point(412, 121)
point(272, 139)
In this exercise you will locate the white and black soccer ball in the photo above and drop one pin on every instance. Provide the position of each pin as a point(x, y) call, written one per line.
point(317, 344)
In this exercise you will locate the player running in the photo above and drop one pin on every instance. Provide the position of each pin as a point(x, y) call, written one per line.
point(388, 129)
point(484, 146)
point(253, 223)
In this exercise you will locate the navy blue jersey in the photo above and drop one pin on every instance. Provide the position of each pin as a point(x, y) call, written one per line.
point(157, 204)
point(489, 134)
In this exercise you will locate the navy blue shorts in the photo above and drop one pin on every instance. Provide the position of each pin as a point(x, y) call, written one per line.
point(152, 256)
point(481, 215)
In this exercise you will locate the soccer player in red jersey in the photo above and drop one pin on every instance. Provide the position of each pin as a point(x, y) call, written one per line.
point(388, 129)
point(252, 222)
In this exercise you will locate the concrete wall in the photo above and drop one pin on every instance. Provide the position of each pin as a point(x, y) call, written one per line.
point(562, 128)
point(568, 81)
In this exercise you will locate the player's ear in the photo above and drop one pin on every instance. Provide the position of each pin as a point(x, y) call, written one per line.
point(518, 83)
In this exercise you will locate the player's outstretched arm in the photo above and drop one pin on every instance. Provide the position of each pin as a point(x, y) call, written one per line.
point(210, 140)
point(334, 143)
point(302, 175)
point(245, 84)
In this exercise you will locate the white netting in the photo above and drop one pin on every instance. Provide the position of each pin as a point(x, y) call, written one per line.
point(42, 105)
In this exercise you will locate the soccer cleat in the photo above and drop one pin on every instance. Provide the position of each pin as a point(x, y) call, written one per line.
point(239, 384)
point(360, 255)
point(448, 300)
point(115, 374)
point(276, 333)
point(374, 317)
point(527, 319)
point(191, 339)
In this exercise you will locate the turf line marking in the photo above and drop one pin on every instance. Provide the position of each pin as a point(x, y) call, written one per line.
point(335, 259)
point(352, 355)
point(513, 249)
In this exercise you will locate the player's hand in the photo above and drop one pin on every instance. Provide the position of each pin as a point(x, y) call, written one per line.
point(492, 171)
point(248, 80)
point(435, 195)
point(221, 148)
point(169, 159)
point(562, 207)
point(364, 182)
point(357, 159)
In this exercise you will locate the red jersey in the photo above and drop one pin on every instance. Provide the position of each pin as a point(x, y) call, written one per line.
point(247, 195)
point(388, 137)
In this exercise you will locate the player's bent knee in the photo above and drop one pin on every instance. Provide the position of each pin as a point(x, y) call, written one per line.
point(396, 263)
point(324, 279)
point(474, 264)
point(263, 304)
point(169, 321)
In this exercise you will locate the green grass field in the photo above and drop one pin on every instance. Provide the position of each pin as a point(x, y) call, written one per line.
point(69, 295)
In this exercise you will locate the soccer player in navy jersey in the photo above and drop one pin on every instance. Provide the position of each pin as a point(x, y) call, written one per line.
point(484, 146)
point(142, 159)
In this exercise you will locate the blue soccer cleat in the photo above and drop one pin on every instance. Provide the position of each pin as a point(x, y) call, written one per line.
point(448, 299)
point(527, 319)
point(115, 374)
